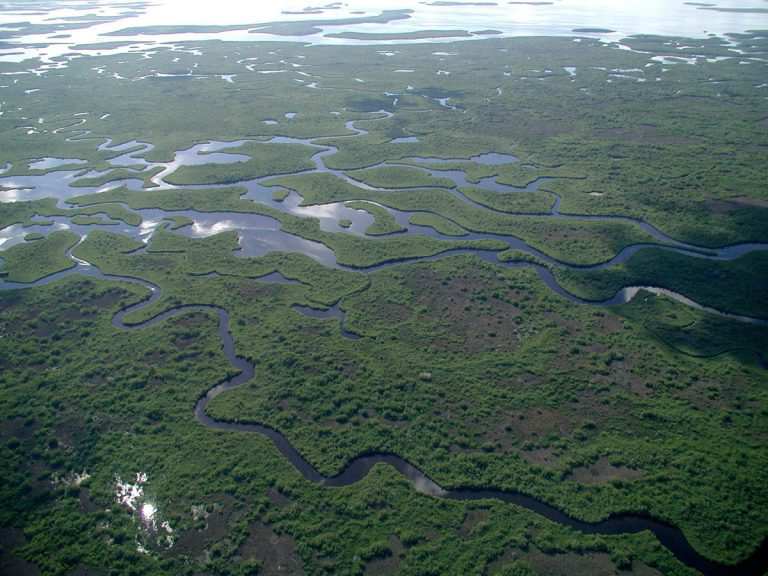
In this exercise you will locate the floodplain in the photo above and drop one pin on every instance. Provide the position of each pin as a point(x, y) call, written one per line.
point(458, 303)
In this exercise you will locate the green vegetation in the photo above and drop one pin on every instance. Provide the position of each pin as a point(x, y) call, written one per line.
point(474, 172)
point(177, 222)
point(514, 255)
point(171, 261)
point(371, 313)
point(582, 386)
point(477, 373)
point(732, 286)
point(23, 212)
point(266, 160)
point(83, 220)
point(398, 177)
point(709, 180)
point(280, 194)
point(696, 334)
point(205, 200)
point(350, 250)
point(539, 202)
point(31, 261)
point(442, 225)
point(119, 174)
point(384, 221)
point(472, 420)
point(138, 420)
point(112, 211)
point(574, 241)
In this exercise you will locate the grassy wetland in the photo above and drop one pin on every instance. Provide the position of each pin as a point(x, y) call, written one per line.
point(273, 307)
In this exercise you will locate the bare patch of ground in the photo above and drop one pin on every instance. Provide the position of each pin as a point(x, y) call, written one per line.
point(621, 372)
point(216, 515)
point(571, 564)
point(43, 329)
point(185, 341)
point(278, 498)
point(537, 423)
point(254, 289)
point(639, 386)
point(390, 564)
point(72, 314)
point(154, 358)
point(193, 320)
point(540, 456)
point(471, 519)
point(18, 428)
point(11, 565)
point(590, 564)
point(721, 206)
point(570, 326)
point(393, 311)
point(86, 571)
point(276, 553)
point(747, 201)
point(603, 471)
point(107, 299)
point(532, 426)
point(597, 348)
point(640, 569)
point(87, 505)
point(610, 323)
point(733, 204)
point(472, 317)
point(726, 393)
point(10, 538)
point(71, 430)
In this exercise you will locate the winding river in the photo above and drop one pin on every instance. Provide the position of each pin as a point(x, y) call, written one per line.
point(260, 234)
point(358, 468)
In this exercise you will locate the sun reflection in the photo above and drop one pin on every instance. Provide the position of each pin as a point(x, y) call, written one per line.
point(147, 514)
point(209, 229)
point(14, 193)
point(154, 531)
point(147, 228)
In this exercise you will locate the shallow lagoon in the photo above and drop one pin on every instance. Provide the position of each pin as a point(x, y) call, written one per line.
point(599, 18)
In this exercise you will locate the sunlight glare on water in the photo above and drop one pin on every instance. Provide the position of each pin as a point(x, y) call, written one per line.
point(558, 18)
point(561, 17)
point(147, 513)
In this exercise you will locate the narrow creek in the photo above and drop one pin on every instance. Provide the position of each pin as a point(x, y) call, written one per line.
point(258, 238)
point(356, 469)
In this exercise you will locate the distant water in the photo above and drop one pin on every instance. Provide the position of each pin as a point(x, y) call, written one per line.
point(558, 18)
